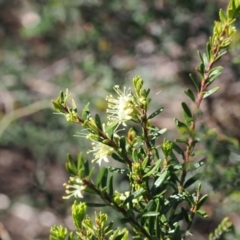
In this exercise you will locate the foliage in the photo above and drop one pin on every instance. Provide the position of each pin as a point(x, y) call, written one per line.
point(160, 202)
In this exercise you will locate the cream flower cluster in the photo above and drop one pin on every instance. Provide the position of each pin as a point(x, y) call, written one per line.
point(120, 109)
point(74, 188)
point(100, 152)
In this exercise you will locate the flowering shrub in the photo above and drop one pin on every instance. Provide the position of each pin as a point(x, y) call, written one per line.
point(158, 203)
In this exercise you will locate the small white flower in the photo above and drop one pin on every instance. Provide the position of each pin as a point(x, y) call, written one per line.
point(120, 109)
point(100, 152)
point(74, 188)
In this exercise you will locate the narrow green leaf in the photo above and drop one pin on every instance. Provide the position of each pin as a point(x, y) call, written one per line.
point(222, 16)
point(191, 180)
point(154, 114)
point(154, 168)
point(210, 92)
point(223, 52)
point(178, 149)
point(85, 112)
point(71, 166)
point(119, 237)
point(177, 234)
point(214, 74)
point(187, 114)
point(202, 213)
point(149, 206)
point(145, 162)
point(180, 125)
point(200, 163)
point(190, 94)
point(62, 97)
point(200, 56)
point(161, 179)
point(196, 84)
point(57, 107)
point(110, 186)
point(110, 130)
point(198, 153)
point(155, 133)
point(202, 200)
point(173, 156)
point(117, 157)
point(208, 51)
point(98, 122)
point(185, 214)
point(182, 140)
point(205, 60)
point(151, 214)
point(201, 69)
point(102, 177)
point(123, 144)
point(177, 217)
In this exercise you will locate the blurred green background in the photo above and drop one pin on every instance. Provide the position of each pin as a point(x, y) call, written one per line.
point(88, 47)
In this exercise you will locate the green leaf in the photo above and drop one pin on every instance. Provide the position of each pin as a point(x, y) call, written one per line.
point(57, 107)
point(177, 234)
point(110, 130)
point(155, 132)
point(145, 162)
point(161, 179)
point(200, 163)
point(149, 206)
point(185, 214)
point(196, 84)
point(178, 149)
point(201, 69)
point(85, 112)
point(110, 186)
point(210, 92)
point(102, 178)
point(208, 51)
point(123, 144)
point(223, 52)
point(192, 180)
point(202, 200)
point(202, 213)
point(138, 83)
point(198, 153)
point(151, 214)
point(181, 126)
point(187, 114)
point(119, 237)
point(98, 122)
point(214, 73)
point(71, 166)
point(190, 94)
point(222, 16)
point(117, 157)
point(205, 60)
point(153, 168)
point(154, 114)
point(182, 140)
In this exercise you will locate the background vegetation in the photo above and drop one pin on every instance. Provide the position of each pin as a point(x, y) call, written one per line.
point(89, 46)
